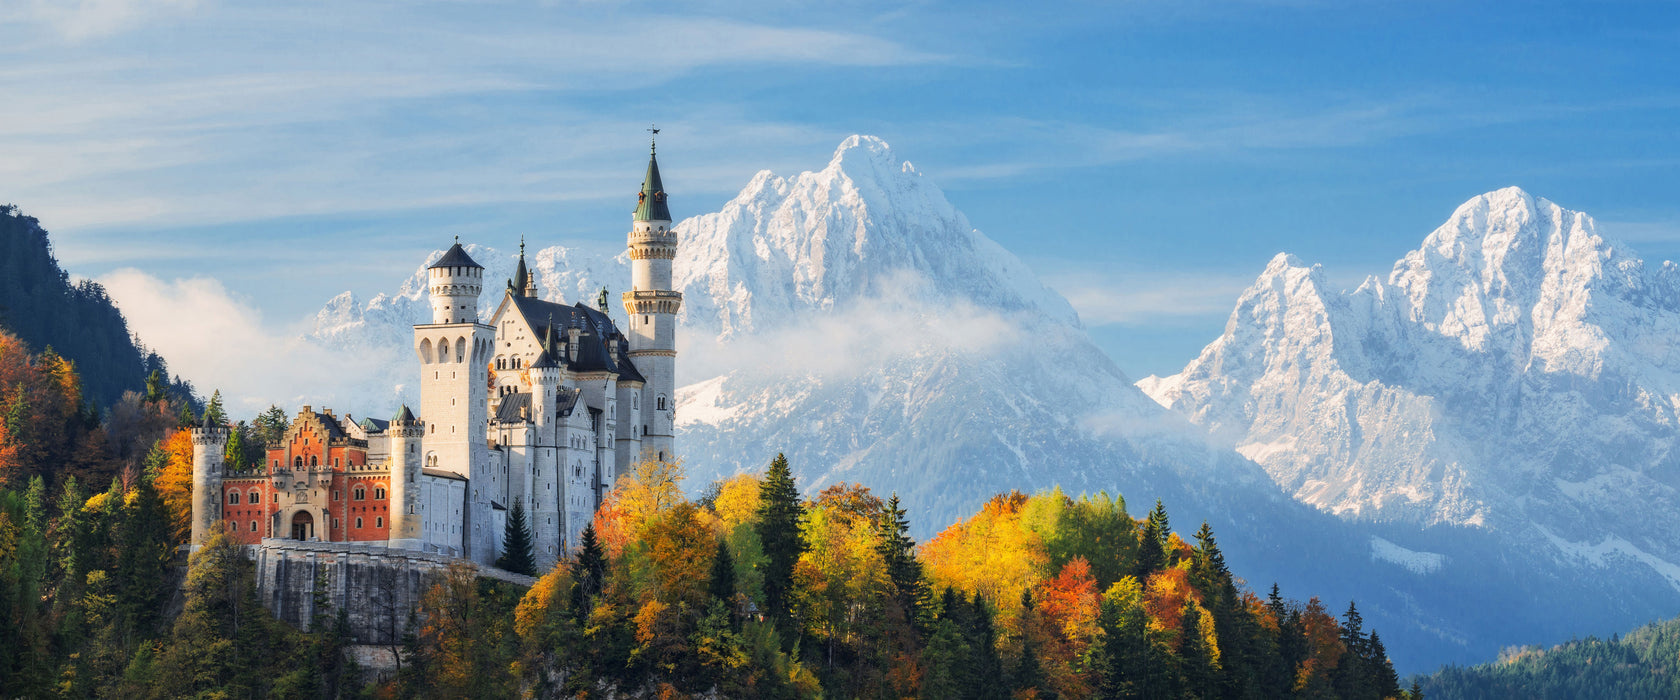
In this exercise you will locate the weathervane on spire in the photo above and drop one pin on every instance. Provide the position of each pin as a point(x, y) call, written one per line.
point(653, 141)
point(521, 245)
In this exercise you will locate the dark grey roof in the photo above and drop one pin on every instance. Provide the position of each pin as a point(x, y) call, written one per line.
point(334, 430)
point(544, 360)
point(456, 256)
point(626, 368)
point(513, 408)
point(441, 474)
point(567, 400)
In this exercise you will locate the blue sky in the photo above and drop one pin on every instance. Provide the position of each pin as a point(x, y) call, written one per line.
point(1146, 158)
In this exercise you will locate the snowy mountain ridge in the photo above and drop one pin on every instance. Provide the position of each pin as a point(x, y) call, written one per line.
point(1517, 372)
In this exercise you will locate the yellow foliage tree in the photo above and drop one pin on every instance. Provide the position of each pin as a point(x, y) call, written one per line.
point(651, 487)
point(993, 554)
point(174, 482)
point(737, 500)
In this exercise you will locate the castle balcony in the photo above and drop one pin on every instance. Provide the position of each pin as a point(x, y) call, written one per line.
point(651, 301)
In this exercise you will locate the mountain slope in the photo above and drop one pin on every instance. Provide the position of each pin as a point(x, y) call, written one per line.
point(40, 304)
point(1513, 379)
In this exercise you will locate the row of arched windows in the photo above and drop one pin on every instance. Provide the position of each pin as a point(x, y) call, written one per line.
point(443, 350)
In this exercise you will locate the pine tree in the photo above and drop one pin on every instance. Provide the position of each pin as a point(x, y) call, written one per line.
point(270, 426)
point(1350, 678)
point(723, 575)
point(516, 543)
point(1152, 545)
point(157, 387)
point(589, 571)
point(780, 513)
point(1383, 679)
point(898, 551)
point(234, 454)
point(213, 413)
point(1201, 677)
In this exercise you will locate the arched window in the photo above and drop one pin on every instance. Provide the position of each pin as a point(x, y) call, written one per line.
point(298, 462)
point(379, 493)
point(358, 522)
point(233, 498)
point(426, 351)
point(379, 522)
point(314, 460)
point(251, 498)
point(661, 402)
point(253, 526)
point(360, 494)
point(460, 349)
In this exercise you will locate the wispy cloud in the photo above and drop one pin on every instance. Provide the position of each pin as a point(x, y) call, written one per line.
point(77, 20)
point(1105, 297)
point(221, 341)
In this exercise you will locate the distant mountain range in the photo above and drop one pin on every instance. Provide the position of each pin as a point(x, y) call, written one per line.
point(853, 319)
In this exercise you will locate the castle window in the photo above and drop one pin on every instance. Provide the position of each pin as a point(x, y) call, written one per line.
point(358, 523)
point(661, 402)
point(252, 498)
point(277, 498)
point(335, 494)
point(335, 523)
point(314, 461)
point(253, 526)
point(233, 498)
point(378, 493)
point(298, 462)
point(236, 526)
point(379, 522)
point(360, 493)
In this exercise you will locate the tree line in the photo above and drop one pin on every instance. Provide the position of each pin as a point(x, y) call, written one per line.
point(749, 590)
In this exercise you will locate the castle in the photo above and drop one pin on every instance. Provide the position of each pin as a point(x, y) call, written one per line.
point(542, 406)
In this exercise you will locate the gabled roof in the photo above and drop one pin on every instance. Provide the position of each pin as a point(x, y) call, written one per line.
point(403, 415)
point(566, 400)
point(514, 408)
point(456, 256)
point(374, 425)
point(650, 202)
point(441, 474)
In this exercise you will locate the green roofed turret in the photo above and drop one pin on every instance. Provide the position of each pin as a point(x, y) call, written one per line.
point(650, 202)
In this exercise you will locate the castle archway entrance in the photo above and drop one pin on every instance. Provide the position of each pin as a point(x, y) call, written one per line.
point(303, 525)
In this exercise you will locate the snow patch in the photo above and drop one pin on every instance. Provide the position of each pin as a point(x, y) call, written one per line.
point(1414, 561)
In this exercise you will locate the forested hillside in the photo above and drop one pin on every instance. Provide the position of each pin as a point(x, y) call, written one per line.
point(40, 305)
point(751, 591)
point(1643, 664)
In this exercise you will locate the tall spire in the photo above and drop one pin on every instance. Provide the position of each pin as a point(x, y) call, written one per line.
point(522, 282)
point(650, 202)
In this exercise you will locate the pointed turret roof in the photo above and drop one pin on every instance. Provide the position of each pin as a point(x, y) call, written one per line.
point(403, 415)
point(650, 203)
point(456, 256)
point(520, 276)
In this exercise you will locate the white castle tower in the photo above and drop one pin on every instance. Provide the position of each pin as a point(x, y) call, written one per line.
point(454, 352)
point(209, 442)
point(406, 435)
point(652, 306)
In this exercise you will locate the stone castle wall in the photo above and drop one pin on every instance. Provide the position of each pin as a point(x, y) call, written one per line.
point(379, 588)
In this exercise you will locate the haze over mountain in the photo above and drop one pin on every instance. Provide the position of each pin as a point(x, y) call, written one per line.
point(853, 319)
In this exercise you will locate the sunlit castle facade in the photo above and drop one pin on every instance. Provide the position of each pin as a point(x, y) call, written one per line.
point(543, 405)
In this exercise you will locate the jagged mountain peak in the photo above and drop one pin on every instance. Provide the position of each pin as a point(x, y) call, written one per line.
point(865, 226)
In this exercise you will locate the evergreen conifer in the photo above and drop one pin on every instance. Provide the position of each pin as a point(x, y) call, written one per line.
point(516, 543)
point(780, 513)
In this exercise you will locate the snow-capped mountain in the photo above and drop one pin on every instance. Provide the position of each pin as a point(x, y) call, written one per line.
point(1518, 375)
